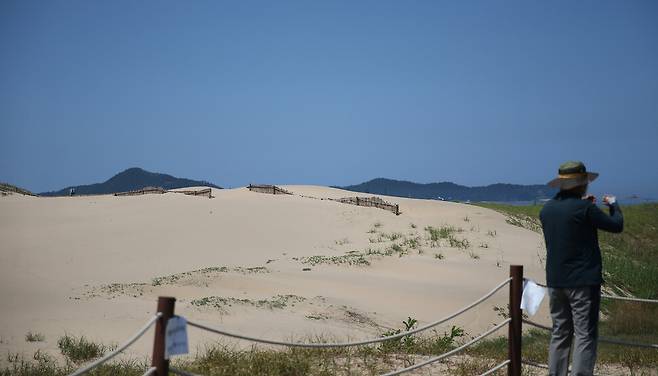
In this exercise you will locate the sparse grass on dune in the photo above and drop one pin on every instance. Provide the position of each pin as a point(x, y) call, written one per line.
point(34, 337)
point(221, 303)
point(6, 188)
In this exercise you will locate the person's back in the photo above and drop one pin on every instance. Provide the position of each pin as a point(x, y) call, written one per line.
point(574, 268)
point(570, 229)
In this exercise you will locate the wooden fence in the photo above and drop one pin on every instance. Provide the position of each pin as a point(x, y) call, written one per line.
point(158, 190)
point(266, 188)
point(373, 201)
point(200, 192)
point(143, 191)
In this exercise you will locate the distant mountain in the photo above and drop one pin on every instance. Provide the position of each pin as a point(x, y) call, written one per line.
point(129, 180)
point(452, 191)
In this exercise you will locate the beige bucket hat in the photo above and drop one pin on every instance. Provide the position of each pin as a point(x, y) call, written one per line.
point(571, 175)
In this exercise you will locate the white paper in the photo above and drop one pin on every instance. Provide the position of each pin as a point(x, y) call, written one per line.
point(176, 337)
point(532, 296)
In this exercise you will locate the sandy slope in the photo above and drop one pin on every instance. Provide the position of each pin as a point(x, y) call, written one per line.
point(57, 256)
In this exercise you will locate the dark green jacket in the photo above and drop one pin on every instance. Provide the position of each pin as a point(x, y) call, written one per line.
point(572, 245)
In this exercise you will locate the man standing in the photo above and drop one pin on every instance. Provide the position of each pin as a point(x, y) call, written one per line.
point(573, 267)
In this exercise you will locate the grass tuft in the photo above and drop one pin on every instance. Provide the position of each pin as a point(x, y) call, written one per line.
point(34, 337)
point(79, 350)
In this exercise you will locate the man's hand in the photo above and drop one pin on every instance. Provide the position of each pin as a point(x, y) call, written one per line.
point(609, 199)
point(590, 198)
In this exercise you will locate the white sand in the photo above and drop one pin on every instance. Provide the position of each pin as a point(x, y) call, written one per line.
point(57, 253)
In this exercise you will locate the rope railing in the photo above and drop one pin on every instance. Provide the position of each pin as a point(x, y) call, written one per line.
point(496, 368)
point(150, 371)
point(545, 366)
point(181, 372)
point(628, 298)
point(534, 364)
point(354, 343)
point(160, 365)
point(613, 341)
point(537, 325)
point(451, 352)
point(418, 365)
point(616, 297)
point(118, 350)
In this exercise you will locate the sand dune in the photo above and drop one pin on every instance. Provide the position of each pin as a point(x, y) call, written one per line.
point(94, 265)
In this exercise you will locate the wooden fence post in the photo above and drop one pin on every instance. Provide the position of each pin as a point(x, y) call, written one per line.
point(166, 306)
point(397, 209)
point(274, 189)
point(514, 334)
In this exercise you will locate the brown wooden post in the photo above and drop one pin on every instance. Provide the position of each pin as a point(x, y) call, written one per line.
point(166, 306)
point(274, 189)
point(357, 201)
point(397, 209)
point(514, 335)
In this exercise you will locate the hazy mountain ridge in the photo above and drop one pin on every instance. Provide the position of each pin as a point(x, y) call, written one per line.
point(452, 191)
point(132, 179)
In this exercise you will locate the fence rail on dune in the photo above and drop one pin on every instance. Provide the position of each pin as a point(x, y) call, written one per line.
point(200, 192)
point(143, 191)
point(165, 311)
point(266, 188)
point(373, 201)
point(159, 190)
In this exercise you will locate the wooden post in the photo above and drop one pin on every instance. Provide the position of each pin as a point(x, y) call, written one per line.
point(514, 335)
point(397, 209)
point(357, 201)
point(274, 189)
point(166, 306)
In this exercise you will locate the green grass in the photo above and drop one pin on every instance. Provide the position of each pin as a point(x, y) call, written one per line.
point(80, 349)
point(438, 233)
point(42, 364)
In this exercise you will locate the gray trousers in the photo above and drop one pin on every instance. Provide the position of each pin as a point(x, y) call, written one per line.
point(575, 313)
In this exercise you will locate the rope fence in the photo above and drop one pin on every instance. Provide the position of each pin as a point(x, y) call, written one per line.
point(514, 317)
point(613, 341)
point(628, 298)
point(355, 343)
point(181, 372)
point(160, 365)
point(150, 371)
point(165, 311)
point(616, 297)
point(496, 368)
point(545, 366)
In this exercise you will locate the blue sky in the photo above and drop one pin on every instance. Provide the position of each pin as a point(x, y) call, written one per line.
point(334, 92)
